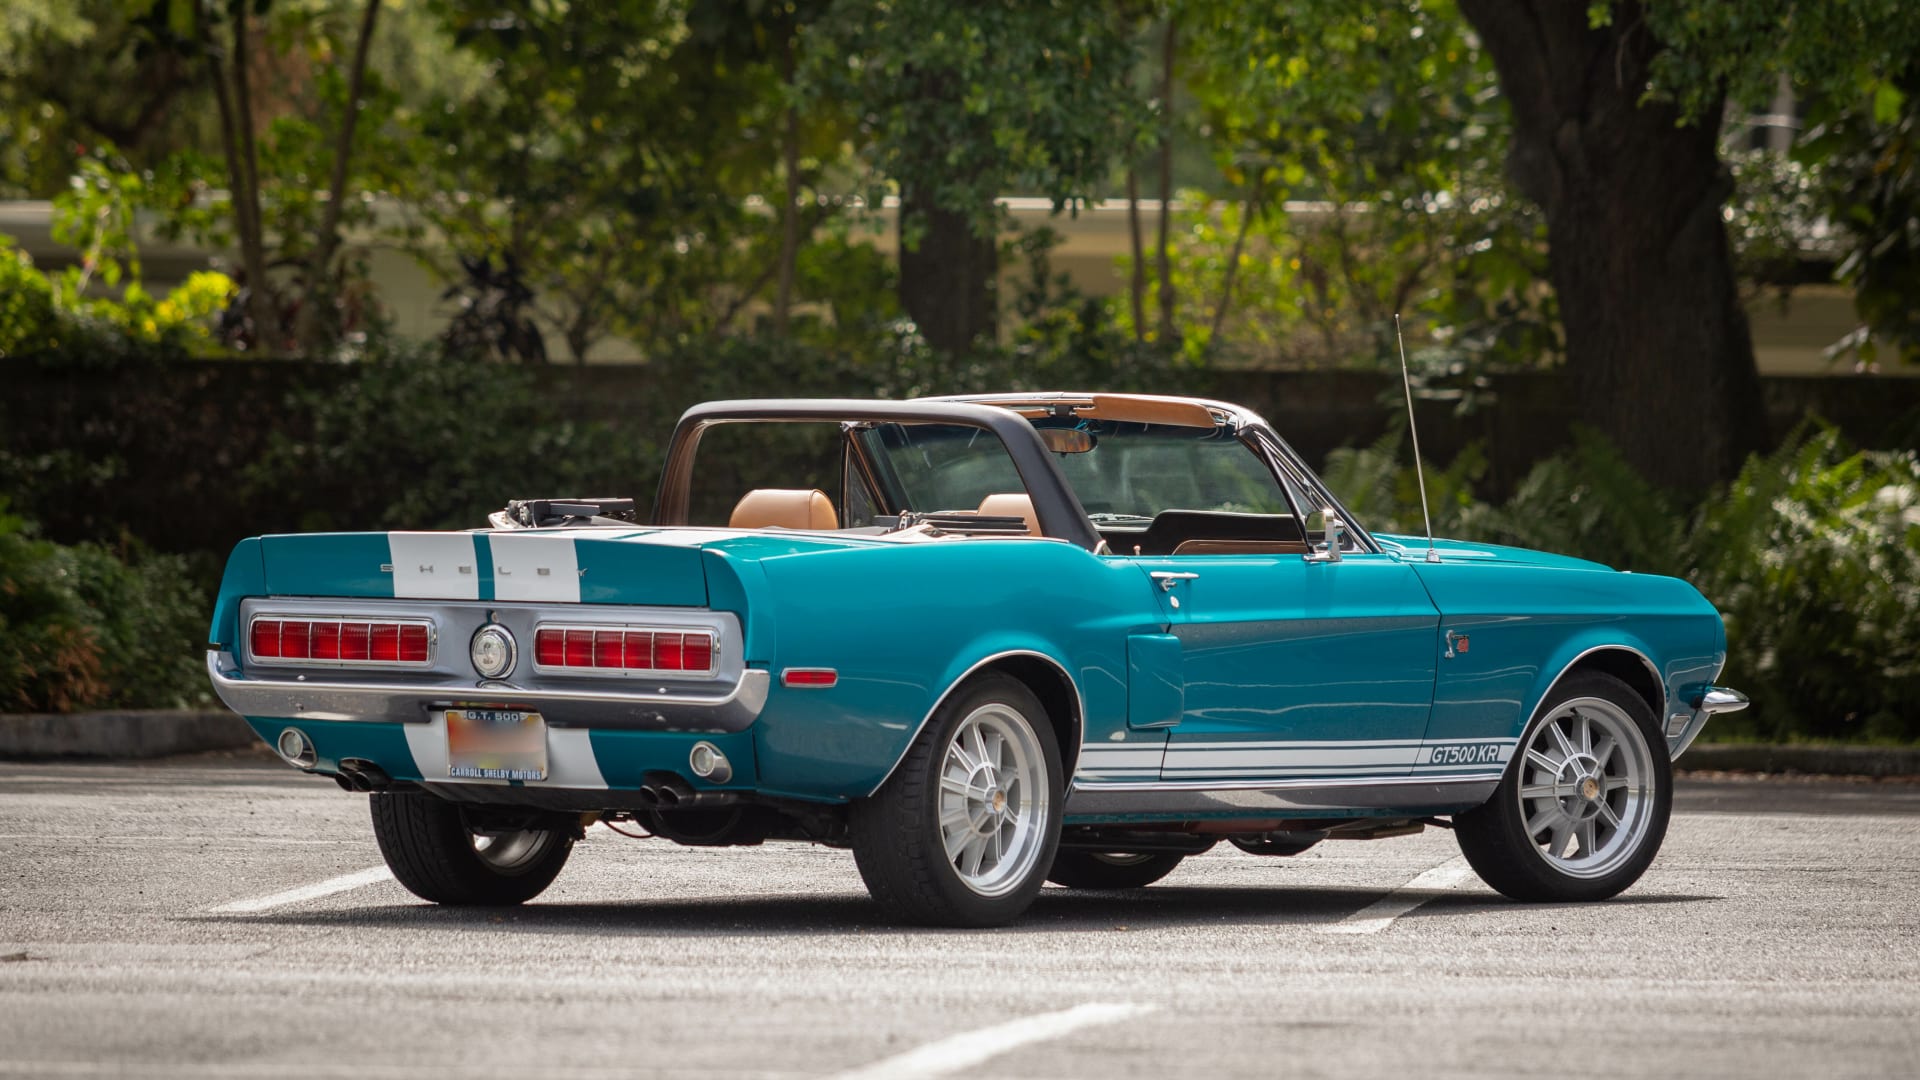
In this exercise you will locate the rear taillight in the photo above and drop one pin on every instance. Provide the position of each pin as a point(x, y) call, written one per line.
point(340, 641)
point(594, 650)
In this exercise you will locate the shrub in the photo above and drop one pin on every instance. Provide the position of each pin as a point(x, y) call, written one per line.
point(48, 320)
point(1587, 502)
point(85, 627)
point(1813, 556)
point(422, 441)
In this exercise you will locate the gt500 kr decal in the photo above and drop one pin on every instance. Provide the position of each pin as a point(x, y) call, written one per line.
point(1466, 753)
point(1335, 758)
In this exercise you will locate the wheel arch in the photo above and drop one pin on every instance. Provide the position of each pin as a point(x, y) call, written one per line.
point(1628, 663)
point(1049, 680)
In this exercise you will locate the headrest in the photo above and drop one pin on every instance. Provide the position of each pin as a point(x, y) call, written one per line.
point(1011, 504)
point(784, 508)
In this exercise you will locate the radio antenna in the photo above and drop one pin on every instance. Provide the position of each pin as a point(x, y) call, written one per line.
point(1413, 429)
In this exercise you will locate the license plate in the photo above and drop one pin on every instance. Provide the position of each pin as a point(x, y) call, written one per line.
point(496, 744)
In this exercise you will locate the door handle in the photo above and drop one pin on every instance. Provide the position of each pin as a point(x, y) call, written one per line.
point(1169, 578)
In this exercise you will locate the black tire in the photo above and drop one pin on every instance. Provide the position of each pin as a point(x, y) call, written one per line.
point(430, 850)
point(1517, 861)
point(1110, 870)
point(899, 842)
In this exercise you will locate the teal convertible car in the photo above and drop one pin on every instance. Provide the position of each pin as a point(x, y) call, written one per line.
point(1015, 638)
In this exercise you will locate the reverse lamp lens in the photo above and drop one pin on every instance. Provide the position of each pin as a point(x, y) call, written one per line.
point(493, 652)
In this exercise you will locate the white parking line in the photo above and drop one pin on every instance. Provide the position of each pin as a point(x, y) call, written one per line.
point(1380, 914)
point(957, 1052)
point(358, 879)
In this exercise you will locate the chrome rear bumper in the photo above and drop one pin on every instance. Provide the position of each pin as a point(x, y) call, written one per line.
point(316, 696)
point(1713, 700)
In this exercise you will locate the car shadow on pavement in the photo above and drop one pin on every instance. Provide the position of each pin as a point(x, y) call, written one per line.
point(785, 915)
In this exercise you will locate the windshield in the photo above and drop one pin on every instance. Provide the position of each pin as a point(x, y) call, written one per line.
point(1132, 470)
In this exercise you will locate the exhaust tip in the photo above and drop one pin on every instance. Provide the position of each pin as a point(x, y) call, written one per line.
point(297, 749)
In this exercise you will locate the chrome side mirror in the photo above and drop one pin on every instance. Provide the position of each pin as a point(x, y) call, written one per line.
point(1325, 531)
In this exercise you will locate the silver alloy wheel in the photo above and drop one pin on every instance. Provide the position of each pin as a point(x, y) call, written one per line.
point(508, 852)
point(993, 799)
point(1586, 788)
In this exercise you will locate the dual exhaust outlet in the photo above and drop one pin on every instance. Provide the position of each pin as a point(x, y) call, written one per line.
point(664, 790)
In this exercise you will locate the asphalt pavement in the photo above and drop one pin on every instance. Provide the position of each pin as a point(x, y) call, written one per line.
point(228, 918)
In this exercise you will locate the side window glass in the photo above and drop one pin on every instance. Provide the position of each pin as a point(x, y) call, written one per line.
point(733, 459)
point(856, 500)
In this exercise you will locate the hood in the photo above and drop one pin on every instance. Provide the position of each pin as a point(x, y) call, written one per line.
point(1414, 548)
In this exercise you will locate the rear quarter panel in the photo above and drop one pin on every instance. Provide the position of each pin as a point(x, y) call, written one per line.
point(902, 623)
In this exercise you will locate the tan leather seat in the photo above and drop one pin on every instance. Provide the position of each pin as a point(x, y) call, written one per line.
point(784, 508)
point(1011, 504)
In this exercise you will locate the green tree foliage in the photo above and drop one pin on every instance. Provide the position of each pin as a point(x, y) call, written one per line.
point(1868, 161)
point(611, 160)
point(959, 104)
point(1366, 148)
point(76, 73)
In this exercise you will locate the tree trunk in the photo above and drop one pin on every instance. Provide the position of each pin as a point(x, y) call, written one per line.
point(1137, 287)
point(1163, 256)
point(1247, 210)
point(947, 281)
point(789, 206)
point(312, 330)
point(266, 318)
point(1658, 347)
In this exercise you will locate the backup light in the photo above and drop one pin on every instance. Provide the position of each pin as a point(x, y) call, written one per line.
point(708, 763)
point(294, 745)
point(493, 651)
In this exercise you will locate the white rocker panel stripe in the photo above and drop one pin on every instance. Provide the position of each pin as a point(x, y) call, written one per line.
point(1105, 761)
point(1440, 757)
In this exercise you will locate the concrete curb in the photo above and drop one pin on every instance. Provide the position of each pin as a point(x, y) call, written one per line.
point(133, 733)
point(1874, 761)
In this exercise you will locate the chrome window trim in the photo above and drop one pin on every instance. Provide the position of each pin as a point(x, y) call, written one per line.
point(269, 615)
point(713, 657)
point(1279, 451)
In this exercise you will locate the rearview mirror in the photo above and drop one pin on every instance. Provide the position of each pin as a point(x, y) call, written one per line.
point(1325, 531)
point(1066, 440)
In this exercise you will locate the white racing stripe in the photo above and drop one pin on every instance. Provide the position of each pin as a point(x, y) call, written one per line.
point(963, 1051)
point(535, 566)
point(434, 566)
point(1380, 914)
point(372, 875)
